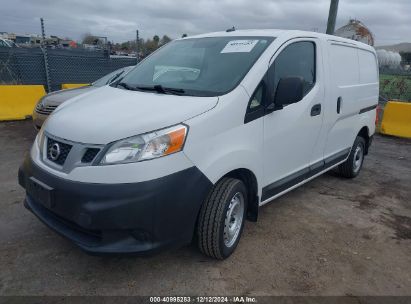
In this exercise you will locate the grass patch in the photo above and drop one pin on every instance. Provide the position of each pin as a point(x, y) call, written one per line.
point(395, 87)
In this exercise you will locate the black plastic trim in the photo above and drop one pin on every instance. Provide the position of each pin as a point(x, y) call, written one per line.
point(316, 109)
point(251, 115)
point(336, 158)
point(368, 109)
point(284, 183)
point(299, 176)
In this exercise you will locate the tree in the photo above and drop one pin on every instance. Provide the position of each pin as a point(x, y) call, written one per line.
point(146, 47)
point(150, 46)
point(165, 40)
point(90, 39)
point(125, 46)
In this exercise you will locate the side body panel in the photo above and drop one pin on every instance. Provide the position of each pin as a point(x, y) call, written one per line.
point(352, 88)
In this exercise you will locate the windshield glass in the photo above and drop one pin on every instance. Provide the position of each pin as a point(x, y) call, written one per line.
point(199, 66)
point(11, 43)
point(109, 78)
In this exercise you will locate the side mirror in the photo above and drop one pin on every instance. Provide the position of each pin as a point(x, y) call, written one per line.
point(289, 90)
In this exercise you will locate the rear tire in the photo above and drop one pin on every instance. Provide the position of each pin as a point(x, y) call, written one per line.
point(221, 218)
point(352, 166)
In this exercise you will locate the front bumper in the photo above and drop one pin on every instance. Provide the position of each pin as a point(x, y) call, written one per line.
point(120, 218)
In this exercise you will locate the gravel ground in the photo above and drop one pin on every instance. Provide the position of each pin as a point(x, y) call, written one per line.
point(331, 236)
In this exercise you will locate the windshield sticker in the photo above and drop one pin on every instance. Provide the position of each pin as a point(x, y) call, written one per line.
point(239, 46)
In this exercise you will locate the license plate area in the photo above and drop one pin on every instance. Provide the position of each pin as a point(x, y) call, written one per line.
point(40, 192)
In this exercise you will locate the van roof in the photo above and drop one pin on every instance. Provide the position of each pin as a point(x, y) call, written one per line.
point(286, 34)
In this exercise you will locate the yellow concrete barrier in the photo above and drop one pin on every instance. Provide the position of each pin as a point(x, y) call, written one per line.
point(396, 119)
point(18, 101)
point(72, 85)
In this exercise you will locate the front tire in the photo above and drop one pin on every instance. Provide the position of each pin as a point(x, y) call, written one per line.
point(221, 218)
point(352, 166)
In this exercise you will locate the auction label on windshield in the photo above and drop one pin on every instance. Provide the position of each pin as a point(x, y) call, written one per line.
point(239, 46)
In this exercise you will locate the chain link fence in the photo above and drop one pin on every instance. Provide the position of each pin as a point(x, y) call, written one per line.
point(28, 66)
point(395, 85)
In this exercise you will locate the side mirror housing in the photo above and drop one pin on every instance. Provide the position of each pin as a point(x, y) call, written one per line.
point(289, 90)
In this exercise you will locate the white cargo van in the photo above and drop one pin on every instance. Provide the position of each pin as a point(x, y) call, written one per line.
point(200, 134)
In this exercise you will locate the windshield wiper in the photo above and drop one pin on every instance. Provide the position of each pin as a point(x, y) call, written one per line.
point(156, 88)
point(126, 86)
point(160, 89)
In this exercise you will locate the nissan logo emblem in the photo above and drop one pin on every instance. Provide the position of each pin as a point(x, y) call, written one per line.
point(54, 151)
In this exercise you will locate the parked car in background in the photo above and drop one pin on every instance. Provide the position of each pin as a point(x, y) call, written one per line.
point(7, 43)
point(48, 103)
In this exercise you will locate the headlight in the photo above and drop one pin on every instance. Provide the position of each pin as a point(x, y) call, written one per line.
point(146, 146)
point(40, 101)
point(40, 140)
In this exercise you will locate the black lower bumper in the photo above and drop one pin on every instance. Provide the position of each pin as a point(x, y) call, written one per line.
point(119, 218)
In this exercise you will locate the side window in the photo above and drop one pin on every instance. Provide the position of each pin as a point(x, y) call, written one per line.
point(257, 98)
point(296, 60)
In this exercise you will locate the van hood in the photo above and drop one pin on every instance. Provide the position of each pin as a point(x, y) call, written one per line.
point(108, 114)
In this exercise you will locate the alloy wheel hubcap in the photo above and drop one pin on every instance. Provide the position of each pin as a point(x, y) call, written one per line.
point(358, 158)
point(233, 219)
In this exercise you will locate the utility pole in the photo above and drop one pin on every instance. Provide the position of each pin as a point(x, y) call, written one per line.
point(332, 16)
point(137, 46)
point(44, 50)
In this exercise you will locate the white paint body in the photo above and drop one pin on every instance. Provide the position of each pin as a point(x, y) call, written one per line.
point(272, 147)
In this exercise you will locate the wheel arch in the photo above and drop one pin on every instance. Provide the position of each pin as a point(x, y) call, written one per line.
point(250, 181)
point(365, 133)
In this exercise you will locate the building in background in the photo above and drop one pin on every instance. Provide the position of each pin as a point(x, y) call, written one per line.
point(357, 31)
point(22, 39)
point(35, 40)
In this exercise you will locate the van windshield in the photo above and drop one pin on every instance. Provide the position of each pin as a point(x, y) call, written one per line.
point(199, 67)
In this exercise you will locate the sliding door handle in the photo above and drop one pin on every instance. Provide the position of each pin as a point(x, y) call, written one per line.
point(339, 102)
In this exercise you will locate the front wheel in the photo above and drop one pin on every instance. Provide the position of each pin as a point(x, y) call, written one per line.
point(352, 166)
point(221, 218)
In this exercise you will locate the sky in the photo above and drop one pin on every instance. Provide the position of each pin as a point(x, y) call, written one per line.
point(118, 19)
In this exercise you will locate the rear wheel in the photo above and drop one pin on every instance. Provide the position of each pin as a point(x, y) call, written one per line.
point(221, 218)
point(352, 166)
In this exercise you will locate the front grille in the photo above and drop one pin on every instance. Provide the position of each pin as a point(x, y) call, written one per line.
point(64, 150)
point(45, 110)
point(89, 155)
